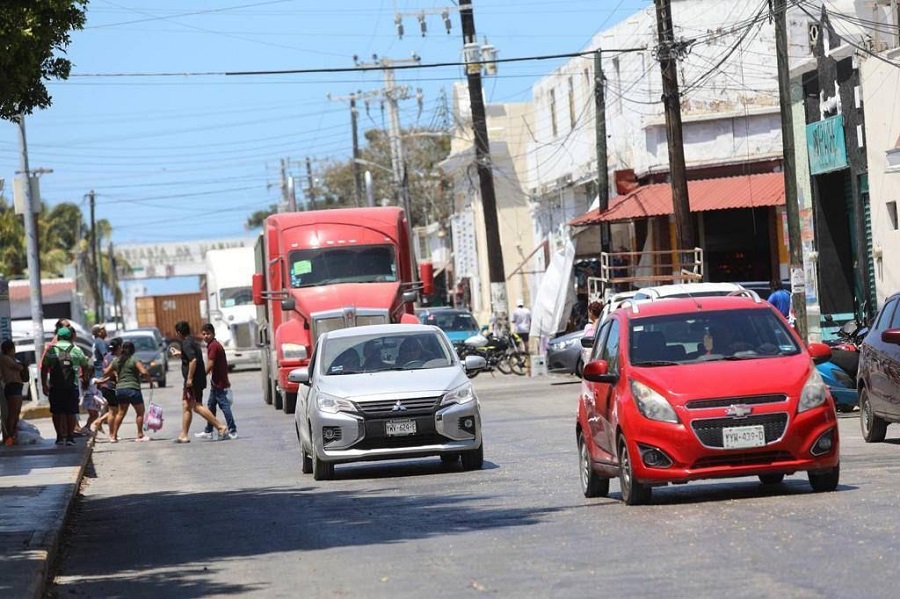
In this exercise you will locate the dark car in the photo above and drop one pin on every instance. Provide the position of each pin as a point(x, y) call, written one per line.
point(148, 351)
point(163, 343)
point(879, 373)
point(564, 353)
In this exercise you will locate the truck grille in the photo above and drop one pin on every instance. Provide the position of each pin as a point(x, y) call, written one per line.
point(709, 431)
point(243, 335)
point(398, 408)
point(333, 320)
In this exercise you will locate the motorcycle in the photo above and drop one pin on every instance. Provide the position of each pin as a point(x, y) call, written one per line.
point(499, 353)
point(845, 349)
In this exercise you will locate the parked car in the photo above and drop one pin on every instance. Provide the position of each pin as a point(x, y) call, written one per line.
point(385, 392)
point(160, 340)
point(25, 353)
point(148, 351)
point(680, 390)
point(458, 324)
point(879, 373)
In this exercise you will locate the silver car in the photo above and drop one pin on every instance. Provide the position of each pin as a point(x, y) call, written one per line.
point(384, 392)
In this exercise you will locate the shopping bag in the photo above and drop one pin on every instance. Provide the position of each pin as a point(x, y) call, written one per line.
point(153, 419)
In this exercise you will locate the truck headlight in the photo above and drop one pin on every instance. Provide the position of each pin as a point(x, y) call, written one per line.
point(333, 405)
point(814, 392)
point(462, 394)
point(293, 351)
point(651, 404)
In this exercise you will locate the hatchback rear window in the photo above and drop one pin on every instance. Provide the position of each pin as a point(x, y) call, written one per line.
point(708, 336)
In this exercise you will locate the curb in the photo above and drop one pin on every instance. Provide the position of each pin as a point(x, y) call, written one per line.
point(51, 542)
point(34, 412)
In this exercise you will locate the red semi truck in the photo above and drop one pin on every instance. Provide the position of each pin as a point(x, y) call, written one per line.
point(324, 270)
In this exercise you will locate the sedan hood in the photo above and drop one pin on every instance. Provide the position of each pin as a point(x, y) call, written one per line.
point(147, 356)
point(358, 295)
point(742, 378)
point(393, 384)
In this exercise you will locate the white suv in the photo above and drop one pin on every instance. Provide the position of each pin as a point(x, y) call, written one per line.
point(690, 290)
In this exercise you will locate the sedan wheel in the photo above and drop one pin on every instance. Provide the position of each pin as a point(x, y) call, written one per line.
point(873, 428)
point(473, 459)
point(306, 462)
point(823, 482)
point(321, 470)
point(591, 484)
point(633, 492)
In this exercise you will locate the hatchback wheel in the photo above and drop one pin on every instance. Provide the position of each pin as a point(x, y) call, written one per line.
point(633, 492)
point(591, 484)
point(825, 481)
point(771, 479)
point(473, 459)
point(873, 428)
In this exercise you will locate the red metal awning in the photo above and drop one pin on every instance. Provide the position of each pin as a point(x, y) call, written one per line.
point(746, 191)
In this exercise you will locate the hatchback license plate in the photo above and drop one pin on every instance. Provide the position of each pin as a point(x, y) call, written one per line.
point(399, 428)
point(739, 437)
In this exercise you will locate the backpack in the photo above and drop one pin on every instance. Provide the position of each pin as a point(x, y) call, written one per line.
point(153, 419)
point(62, 371)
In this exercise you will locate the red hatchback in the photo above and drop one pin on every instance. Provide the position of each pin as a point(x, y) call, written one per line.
point(688, 389)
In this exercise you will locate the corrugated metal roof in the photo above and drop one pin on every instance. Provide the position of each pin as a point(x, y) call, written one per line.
point(51, 289)
point(746, 191)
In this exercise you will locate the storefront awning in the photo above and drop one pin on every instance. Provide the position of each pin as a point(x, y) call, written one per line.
point(746, 191)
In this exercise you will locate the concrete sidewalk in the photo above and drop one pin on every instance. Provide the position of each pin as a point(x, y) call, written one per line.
point(38, 484)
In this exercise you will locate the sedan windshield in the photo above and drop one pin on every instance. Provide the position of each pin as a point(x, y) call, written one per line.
point(709, 336)
point(344, 264)
point(375, 353)
point(142, 343)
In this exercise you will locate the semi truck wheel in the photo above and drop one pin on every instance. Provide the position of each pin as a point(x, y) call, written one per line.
point(290, 402)
point(277, 400)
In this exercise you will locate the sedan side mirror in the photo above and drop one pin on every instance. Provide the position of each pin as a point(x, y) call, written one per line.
point(474, 363)
point(891, 336)
point(598, 372)
point(587, 342)
point(299, 375)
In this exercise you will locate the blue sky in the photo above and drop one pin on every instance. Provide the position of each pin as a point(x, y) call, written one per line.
point(189, 157)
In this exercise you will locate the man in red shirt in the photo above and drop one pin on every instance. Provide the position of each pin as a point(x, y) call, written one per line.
point(220, 387)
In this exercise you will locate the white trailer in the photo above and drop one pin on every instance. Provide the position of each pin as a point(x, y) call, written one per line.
point(229, 303)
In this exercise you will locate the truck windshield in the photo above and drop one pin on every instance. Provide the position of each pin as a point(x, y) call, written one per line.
point(348, 264)
point(236, 296)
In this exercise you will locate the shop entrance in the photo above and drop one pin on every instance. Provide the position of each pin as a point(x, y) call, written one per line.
point(736, 245)
point(835, 224)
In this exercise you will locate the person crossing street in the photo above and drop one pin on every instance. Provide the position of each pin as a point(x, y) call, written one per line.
point(219, 385)
point(194, 384)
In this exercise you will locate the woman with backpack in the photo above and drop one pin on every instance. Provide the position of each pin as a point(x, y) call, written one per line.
point(128, 371)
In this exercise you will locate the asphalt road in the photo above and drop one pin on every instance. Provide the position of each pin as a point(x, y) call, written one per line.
point(239, 518)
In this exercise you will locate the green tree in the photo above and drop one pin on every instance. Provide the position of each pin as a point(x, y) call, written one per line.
point(33, 35)
point(256, 220)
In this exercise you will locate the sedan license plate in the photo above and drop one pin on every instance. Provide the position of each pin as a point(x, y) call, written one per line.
point(739, 437)
point(399, 428)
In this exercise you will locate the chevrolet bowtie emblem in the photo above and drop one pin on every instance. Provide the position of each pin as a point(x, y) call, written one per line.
point(398, 407)
point(738, 410)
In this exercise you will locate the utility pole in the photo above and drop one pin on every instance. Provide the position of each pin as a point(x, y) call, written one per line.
point(354, 124)
point(602, 157)
point(668, 52)
point(97, 259)
point(31, 242)
point(798, 293)
point(499, 303)
point(285, 192)
point(311, 191)
point(114, 278)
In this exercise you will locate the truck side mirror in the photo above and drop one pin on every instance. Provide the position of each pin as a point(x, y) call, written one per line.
point(410, 296)
point(426, 275)
point(288, 305)
point(258, 286)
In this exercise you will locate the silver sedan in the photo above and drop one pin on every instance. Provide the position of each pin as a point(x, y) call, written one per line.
point(384, 392)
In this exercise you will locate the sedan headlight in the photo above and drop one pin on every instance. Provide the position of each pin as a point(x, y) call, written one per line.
point(561, 345)
point(293, 351)
point(333, 405)
point(814, 392)
point(460, 395)
point(651, 404)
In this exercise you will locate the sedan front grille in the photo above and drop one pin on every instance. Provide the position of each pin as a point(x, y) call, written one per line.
point(709, 431)
point(743, 459)
point(724, 402)
point(398, 408)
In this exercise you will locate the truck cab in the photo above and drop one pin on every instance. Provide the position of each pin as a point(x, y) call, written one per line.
point(228, 304)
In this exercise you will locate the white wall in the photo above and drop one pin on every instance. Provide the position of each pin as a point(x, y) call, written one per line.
point(881, 88)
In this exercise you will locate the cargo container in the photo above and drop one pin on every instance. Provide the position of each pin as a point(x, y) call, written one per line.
point(163, 311)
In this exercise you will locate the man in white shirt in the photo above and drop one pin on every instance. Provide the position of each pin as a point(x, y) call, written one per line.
point(521, 321)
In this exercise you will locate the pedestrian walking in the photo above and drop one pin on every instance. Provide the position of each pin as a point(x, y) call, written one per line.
point(99, 348)
point(521, 321)
point(128, 371)
point(194, 383)
point(107, 386)
point(13, 374)
point(780, 298)
point(60, 368)
point(219, 385)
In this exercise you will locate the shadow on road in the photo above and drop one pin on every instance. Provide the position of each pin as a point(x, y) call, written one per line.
point(218, 526)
